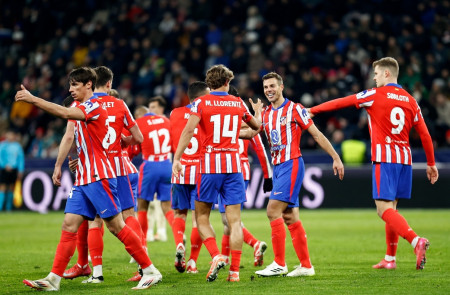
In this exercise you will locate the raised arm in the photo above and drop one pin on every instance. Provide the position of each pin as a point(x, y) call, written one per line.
point(325, 144)
point(49, 107)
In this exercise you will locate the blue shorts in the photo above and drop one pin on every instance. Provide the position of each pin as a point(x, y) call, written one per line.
point(287, 181)
point(229, 187)
point(134, 180)
point(184, 196)
point(222, 206)
point(125, 193)
point(154, 177)
point(391, 181)
point(98, 197)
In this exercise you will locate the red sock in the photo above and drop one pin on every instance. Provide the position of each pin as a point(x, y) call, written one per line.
point(278, 240)
point(235, 260)
point(64, 252)
point(95, 242)
point(226, 245)
point(178, 228)
point(196, 244)
point(391, 240)
point(300, 243)
point(82, 243)
point(248, 237)
point(211, 246)
point(143, 221)
point(398, 224)
point(170, 217)
point(135, 226)
point(133, 246)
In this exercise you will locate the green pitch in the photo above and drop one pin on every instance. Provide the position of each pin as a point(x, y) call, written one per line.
point(343, 245)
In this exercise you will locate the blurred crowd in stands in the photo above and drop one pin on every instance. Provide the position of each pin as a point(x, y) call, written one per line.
point(322, 49)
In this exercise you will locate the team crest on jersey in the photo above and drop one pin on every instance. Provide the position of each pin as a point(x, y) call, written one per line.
point(283, 121)
point(208, 148)
point(388, 139)
point(275, 137)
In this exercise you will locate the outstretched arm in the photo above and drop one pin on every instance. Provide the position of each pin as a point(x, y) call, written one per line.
point(332, 105)
point(49, 107)
point(325, 144)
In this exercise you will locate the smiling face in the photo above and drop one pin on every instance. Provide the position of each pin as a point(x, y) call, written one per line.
point(273, 90)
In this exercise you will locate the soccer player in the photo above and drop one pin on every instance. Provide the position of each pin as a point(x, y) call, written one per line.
point(283, 122)
point(392, 113)
point(119, 119)
point(95, 190)
point(219, 117)
point(184, 189)
point(155, 170)
point(259, 247)
point(155, 215)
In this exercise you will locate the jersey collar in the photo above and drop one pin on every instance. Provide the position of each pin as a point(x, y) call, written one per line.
point(150, 114)
point(100, 93)
point(282, 105)
point(395, 85)
point(218, 93)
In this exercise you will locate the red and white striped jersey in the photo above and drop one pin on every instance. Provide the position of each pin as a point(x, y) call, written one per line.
point(157, 143)
point(126, 156)
point(90, 137)
point(258, 147)
point(119, 118)
point(283, 127)
point(221, 116)
point(392, 112)
point(190, 160)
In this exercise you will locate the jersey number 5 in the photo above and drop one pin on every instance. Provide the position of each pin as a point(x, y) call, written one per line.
point(111, 136)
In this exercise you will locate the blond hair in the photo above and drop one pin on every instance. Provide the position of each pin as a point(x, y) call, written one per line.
point(388, 63)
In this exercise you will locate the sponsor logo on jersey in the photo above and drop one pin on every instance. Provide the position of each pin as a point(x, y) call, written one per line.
point(208, 148)
point(275, 137)
point(388, 139)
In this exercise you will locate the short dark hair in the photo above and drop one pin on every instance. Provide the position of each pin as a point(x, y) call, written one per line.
point(196, 89)
point(67, 102)
point(161, 101)
point(233, 91)
point(104, 75)
point(83, 75)
point(273, 75)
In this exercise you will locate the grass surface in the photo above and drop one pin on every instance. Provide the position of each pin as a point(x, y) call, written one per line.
point(343, 246)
